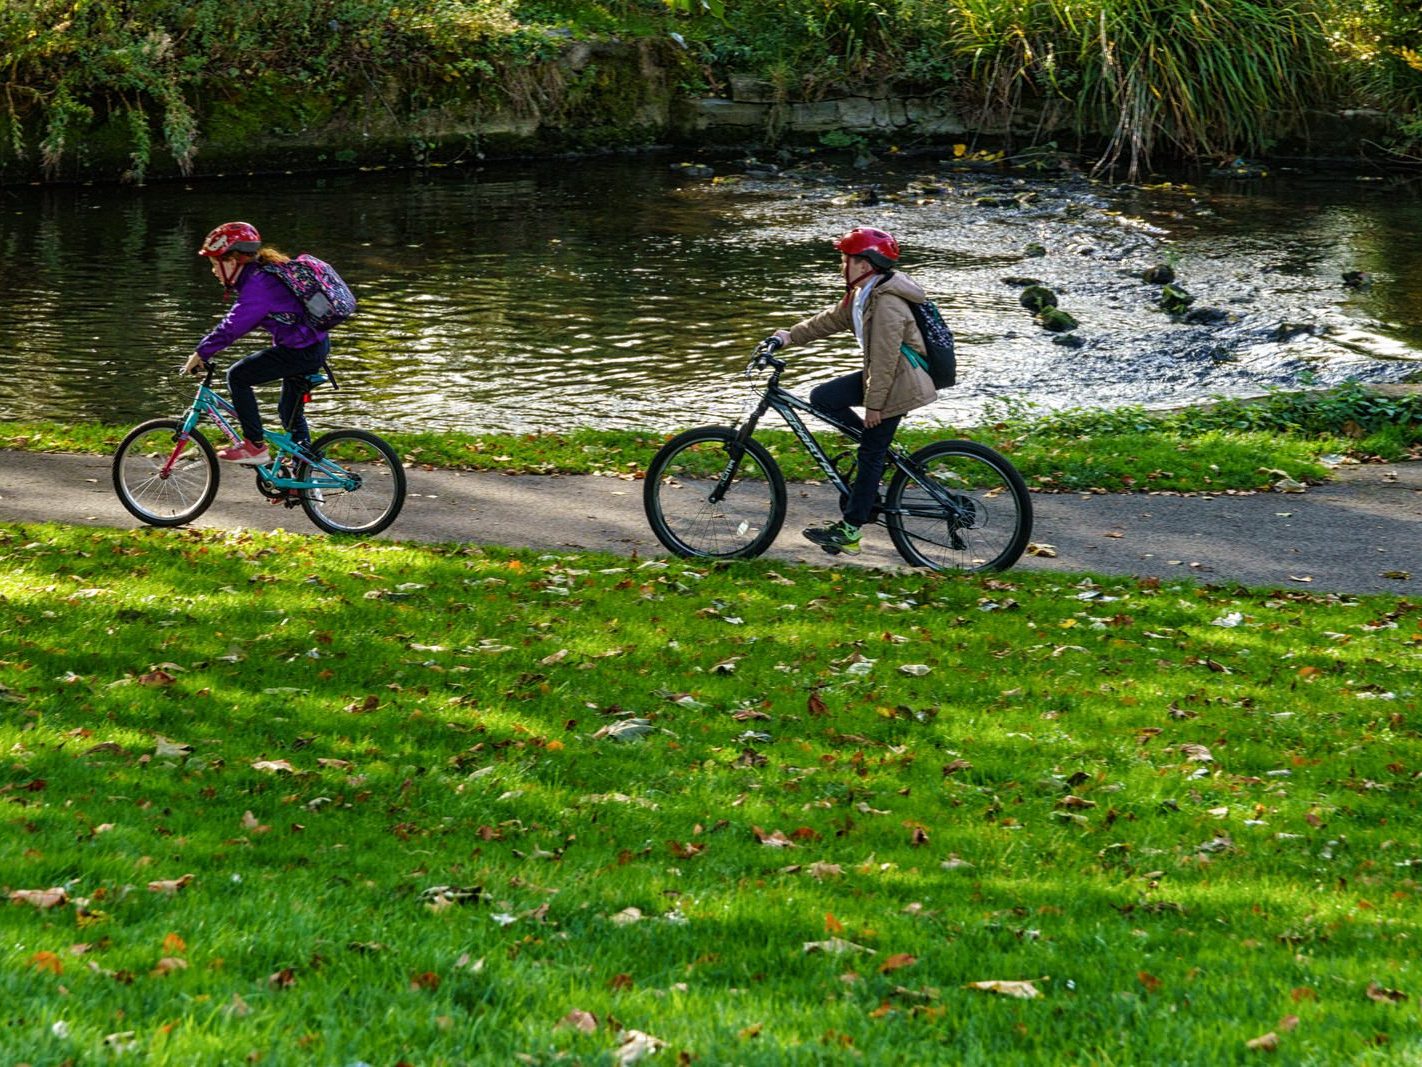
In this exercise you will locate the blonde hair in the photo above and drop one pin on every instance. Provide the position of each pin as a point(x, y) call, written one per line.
point(267, 254)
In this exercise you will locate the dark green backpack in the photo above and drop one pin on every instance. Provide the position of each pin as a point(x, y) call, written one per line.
point(939, 360)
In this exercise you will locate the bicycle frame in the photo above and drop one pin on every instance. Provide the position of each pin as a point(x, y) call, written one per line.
point(775, 397)
point(219, 409)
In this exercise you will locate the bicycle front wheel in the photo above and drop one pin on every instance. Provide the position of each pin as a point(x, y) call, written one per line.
point(968, 509)
point(359, 483)
point(706, 496)
point(162, 478)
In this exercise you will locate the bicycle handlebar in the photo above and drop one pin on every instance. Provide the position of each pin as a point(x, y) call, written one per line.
point(764, 356)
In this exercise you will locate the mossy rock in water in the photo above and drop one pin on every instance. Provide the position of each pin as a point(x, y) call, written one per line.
point(1208, 316)
point(1160, 274)
point(1034, 251)
point(694, 171)
point(1055, 319)
point(1068, 340)
point(1175, 299)
point(1037, 298)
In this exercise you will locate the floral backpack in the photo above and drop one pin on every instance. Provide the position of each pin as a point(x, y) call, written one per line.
point(325, 298)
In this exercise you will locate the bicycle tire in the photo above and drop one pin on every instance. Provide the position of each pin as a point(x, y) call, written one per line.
point(371, 505)
point(989, 532)
point(680, 480)
point(158, 499)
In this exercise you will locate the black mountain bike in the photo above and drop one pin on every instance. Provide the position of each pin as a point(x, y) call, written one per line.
point(717, 492)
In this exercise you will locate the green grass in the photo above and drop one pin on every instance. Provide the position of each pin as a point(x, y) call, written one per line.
point(1189, 817)
point(1239, 445)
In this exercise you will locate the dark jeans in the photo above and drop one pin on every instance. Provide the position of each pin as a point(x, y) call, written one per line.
point(838, 398)
point(291, 365)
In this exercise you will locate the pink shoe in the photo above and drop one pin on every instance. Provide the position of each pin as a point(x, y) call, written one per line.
point(246, 453)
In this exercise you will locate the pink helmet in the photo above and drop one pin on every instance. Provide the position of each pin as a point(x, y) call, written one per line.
point(231, 237)
point(877, 246)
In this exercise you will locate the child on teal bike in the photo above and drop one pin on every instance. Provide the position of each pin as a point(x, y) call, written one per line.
point(889, 385)
point(259, 299)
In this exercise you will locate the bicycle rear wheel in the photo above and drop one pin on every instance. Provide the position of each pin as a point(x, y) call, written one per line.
point(974, 513)
point(684, 476)
point(161, 479)
point(360, 483)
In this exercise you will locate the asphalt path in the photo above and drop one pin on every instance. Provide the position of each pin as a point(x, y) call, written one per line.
point(1361, 533)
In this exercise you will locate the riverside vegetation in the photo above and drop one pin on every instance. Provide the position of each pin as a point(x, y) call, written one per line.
point(296, 800)
point(154, 85)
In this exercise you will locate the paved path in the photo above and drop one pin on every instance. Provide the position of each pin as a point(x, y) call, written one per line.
point(1359, 534)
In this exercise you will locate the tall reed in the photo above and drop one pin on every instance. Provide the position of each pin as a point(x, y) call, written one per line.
point(1200, 77)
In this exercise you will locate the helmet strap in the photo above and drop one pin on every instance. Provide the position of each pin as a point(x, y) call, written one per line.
point(228, 268)
point(850, 284)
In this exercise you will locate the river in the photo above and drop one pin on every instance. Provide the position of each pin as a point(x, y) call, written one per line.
point(616, 292)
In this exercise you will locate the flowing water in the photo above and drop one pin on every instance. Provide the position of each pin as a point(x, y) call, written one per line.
point(615, 293)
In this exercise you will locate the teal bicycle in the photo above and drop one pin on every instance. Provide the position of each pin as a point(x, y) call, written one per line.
point(166, 471)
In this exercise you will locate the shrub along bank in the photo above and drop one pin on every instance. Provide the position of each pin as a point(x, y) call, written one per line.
point(110, 89)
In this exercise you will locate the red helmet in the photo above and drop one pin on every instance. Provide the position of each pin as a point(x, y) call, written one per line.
point(877, 246)
point(231, 237)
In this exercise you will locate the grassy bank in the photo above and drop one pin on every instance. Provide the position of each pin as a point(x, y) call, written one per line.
point(154, 84)
point(1234, 445)
point(284, 800)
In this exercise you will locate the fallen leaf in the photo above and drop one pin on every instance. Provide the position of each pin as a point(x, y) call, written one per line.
point(896, 962)
point(167, 965)
point(1038, 548)
point(835, 946)
point(636, 1046)
point(1264, 1042)
point(582, 1021)
point(170, 886)
point(44, 899)
point(1023, 990)
point(1383, 995)
point(625, 730)
point(276, 766)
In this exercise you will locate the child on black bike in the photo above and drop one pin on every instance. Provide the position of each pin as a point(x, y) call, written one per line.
point(260, 299)
point(876, 307)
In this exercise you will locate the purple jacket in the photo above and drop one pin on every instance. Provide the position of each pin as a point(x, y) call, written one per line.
point(260, 295)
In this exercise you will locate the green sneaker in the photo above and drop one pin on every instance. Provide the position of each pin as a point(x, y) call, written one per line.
point(835, 537)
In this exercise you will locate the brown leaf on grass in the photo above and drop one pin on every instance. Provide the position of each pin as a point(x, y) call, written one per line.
point(170, 886)
point(636, 1046)
point(815, 706)
point(275, 766)
point(821, 871)
point(772, 840)
point(157, 677)
point(424, 980)
point(1150, 981)
point(1264, 1042)
point(1023, 990)
point(1383, 995)
point(620, 981)
point(835, 946)
point(1289, 1023)
point(167, 965)
point(168, 748)
point(363, 707)
point(334, 764)
point(44, 899)
point(897, 961)
point(1071, 800)
point(252, 824)
point(956, 766)
point(173, 945)
point(282, 979)
point(577, 1019)
point(47, 961)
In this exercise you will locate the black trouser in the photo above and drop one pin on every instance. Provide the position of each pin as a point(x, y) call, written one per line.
point(291, 365)
point(839, 397)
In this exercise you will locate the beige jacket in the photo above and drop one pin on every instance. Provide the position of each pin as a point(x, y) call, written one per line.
point(892, 384)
